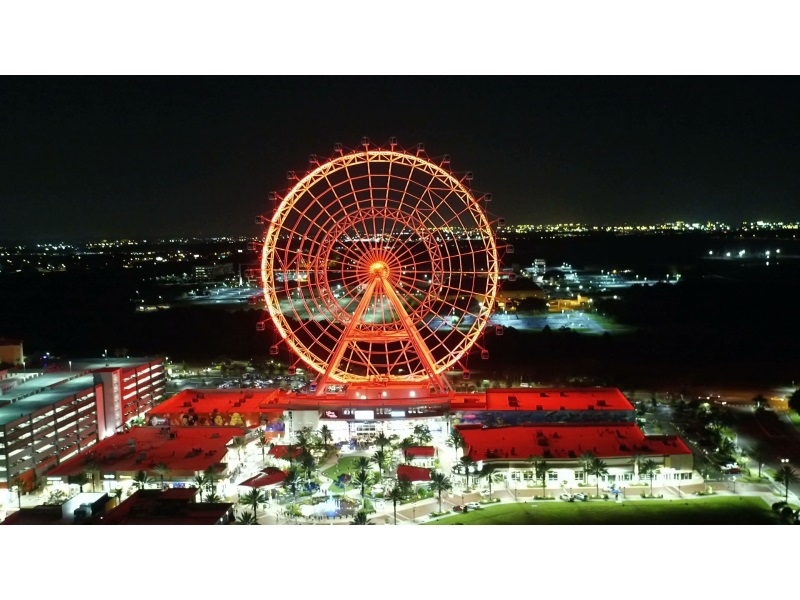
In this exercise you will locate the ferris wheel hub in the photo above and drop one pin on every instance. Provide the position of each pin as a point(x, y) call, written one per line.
point(379, 269)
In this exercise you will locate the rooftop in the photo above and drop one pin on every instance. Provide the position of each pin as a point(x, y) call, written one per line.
point(91, 364)
point(268, 476)
point(413, 473)
point(223, 401)
point(567, 441)
point(154, 507)
point(543, 399)
point(140, 449)
point(40, 392)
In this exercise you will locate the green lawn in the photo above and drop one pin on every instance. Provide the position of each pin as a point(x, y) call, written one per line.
point(346, 464)
point(608, 323)
point(737, 510)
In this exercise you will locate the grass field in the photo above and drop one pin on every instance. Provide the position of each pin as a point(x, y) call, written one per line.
point(607, 323)
point(737, 510)
point(346, 464)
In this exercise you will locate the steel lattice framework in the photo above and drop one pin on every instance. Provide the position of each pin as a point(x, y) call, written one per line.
point(378, 266)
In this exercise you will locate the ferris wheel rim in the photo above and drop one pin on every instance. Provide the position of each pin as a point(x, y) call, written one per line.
point(304, 184)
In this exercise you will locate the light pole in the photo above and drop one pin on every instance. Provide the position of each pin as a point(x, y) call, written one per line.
point(733, 479)
point(785, 463)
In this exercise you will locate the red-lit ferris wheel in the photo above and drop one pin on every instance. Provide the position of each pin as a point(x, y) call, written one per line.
point(380, 265)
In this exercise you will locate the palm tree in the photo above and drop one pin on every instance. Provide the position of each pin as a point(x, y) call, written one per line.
point(598, 468)
point(586, 461)
point(360, 518)
point(142, 480)
point(326, 436)
point(541, 468)
point(247, 518)
point(239, 443)
point(253, 498)
point(761, 458)
point(93, 471)
point(213, 498)
point(200, 481)
point(423, 434)
point(636, 462)
point(380, 458)
point(304, 439)
point(363, 479)
point(263, 444)
point(396, 494)
point(649, 468)
point(456, 440)
point(292, 481)
point(363, 463)
point(289, 453)
point(405, 444)
point(211, 479)
point(382, 441)
point(466, 462)
point(117, 494)
point(161, 469)
point(308, 463)
point(786, 475)
point(488, 473)
point(440, 483)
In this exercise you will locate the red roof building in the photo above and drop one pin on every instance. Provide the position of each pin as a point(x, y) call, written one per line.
point(168, 507)
point(413, 474)
point(266, 478)
point(566, 441)
point(185, 451)
point(421, 451)
point(249, 408)
point(283, 452)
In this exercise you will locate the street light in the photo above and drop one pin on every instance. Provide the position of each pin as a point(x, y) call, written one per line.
point(785, 463)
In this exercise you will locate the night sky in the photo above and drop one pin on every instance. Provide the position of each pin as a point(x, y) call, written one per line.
point(87, 157)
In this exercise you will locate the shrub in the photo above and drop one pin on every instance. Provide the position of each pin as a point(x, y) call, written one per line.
point(778, 506)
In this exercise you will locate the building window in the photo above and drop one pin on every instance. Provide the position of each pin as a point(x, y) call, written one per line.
point(552, 476)
point(579, 475)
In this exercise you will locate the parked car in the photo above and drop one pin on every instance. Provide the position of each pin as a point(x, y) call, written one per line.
point(581, 496)
point(567, 497)
point(473, 505)
point(458, 508)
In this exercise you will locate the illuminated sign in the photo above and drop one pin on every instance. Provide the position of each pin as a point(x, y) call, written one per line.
point(398, 413)
point(362, 415)
point(330, 414)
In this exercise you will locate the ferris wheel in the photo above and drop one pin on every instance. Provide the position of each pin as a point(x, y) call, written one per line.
point(380, 265)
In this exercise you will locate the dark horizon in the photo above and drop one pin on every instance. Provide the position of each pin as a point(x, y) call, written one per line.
point(139, 157)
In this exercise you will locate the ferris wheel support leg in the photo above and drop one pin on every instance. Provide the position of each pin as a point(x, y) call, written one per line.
point(424, 353)
point(338, 353)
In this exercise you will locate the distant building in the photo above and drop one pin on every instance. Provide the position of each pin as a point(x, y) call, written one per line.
point(213, 271)
point(536, 270)
point(11, 352)
point(569, 304)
